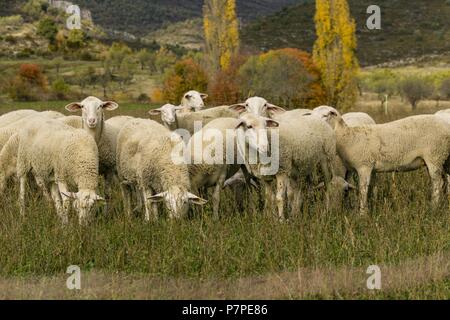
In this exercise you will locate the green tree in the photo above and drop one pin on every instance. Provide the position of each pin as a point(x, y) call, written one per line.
point(48, 29)
point(75, 39)
point(415, 89)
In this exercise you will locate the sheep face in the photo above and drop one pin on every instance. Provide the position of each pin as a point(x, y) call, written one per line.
point(255, 131)
point(177, 201)
point(193, 100)
point(328, 114)
point(92, 110)
point(167, 113)
point(258, 106)
point(84, 203)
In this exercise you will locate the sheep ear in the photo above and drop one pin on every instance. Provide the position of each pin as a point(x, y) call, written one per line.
point(178, 108)
point(204, 96)
point(272, 123)
point(155, 112)
point(275, 109)
point(307, 114)
point(196, 200)
point(240, 107)
point(188, 96)
point(110, 105)
point(157, 197)
point(70, 195)
point(74, 107)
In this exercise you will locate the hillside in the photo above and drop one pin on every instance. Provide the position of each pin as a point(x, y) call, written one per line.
point(141, 16)
point(410, 28)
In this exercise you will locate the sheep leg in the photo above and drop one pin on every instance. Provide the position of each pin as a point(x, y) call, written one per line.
point(437, 182)
point(126, 195)
point(22, 190)
point(364, 175)
point(109, 179)
point(217, 190)
point(60, 210)
point(294, 197)
point(149, 206)
point(66, 201)
point(43, 186)
point(282, 182)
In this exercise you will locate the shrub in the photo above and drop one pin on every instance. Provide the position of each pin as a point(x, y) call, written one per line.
point(60, 89)
point(29, 84)
point(415, 89)
point(48, 29)
point(186, 75)
point(286, 76)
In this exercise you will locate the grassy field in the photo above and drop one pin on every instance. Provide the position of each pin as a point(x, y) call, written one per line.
point(244, 254)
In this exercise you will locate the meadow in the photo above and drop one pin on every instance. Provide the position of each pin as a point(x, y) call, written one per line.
point(244, 254)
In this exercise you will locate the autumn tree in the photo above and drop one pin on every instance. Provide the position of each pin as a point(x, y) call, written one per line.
point(334, 52)
point(221, 28)
point(186, 75)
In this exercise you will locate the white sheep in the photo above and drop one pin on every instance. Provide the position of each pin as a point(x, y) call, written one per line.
point(144, 161)
point(119, 121)
point(210, 167)
point(258, 106)
point(13, 116)
point(172, 117)
point(58, 156)
point(288, 115)
point(193, 101)
point(357, 119)
point(403, 145)
point(304, 143)
point(93, 122)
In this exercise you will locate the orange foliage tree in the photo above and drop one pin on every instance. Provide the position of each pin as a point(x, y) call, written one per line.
point(186, 75)
point(30, 83)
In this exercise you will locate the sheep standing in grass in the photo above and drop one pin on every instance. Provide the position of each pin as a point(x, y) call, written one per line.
point(404, 145)
point(59, 157)
point(173, 119)
point(144, 161)
point(93, 122)
point(209, 150)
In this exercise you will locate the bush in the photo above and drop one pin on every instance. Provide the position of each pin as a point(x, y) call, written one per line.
point(29, 84)
point(60, 89)
point(48, 29)
point(415, 89)
point(285, 76)
point(11, 21)
point(186, 75)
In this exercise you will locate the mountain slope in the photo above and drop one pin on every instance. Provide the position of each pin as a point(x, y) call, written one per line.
point(410, 28)
point(143, 16)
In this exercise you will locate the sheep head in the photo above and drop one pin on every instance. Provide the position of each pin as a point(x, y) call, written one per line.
point(92, 110)
point(167, 113)
point(328, 114)
point(177, 201)
point(193, 100)
point(258, 106)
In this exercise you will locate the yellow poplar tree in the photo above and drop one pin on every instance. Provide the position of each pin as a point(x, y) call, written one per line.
point(335, 52)
point(221, 32)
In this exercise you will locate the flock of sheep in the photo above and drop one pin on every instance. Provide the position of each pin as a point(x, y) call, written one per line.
point(65, 155)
